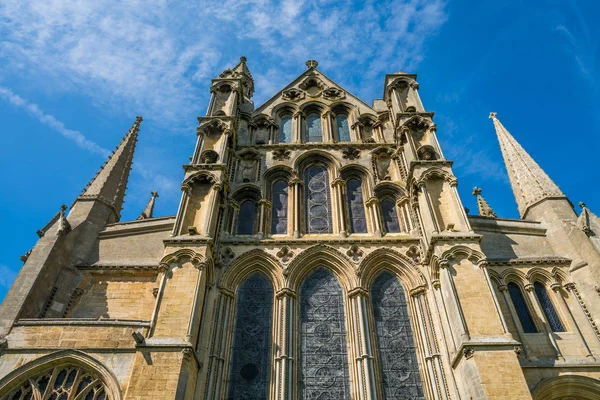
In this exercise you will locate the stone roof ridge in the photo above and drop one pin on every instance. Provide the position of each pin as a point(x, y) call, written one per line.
point(529, 182)
point(482, 205)
point(147, 213)
point(110, 182)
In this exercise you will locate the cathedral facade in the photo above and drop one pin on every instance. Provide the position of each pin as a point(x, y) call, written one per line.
point(320, 251)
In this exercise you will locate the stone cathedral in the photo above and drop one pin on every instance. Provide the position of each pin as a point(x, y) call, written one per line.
point(320, 251)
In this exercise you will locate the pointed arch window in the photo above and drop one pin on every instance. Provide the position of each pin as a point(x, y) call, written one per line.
point(518, 301)
point(251, 352)
point(343, 128)
point(318, 199)
point(285, 130)
point(356, 206)
point(315, 129)
point(548, 308)
point(279, 218)
point(395, 342)
point(323, 351)
point(390, 215)
point(246, 218)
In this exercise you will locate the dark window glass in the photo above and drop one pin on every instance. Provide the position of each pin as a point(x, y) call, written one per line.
point(315, 130)
point(548, 308)
point(323, 352)
point(280, 207)
point(246, 218)
point(285, 130)
point(318, 204)
point(343, 128)
point(356, 207)
point(251, 352)
point(396, 347)
point(390, 216)
point(522, 311)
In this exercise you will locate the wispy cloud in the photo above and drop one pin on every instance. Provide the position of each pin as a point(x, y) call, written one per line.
point(7, 276)
point(47, 119)
point(156, 58)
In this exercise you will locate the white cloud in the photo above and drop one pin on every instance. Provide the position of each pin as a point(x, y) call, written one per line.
point(155, 58)
point(46, 119)
point(7, 276)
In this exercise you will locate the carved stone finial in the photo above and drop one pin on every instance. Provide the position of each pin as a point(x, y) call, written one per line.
point(147, 213)
point(63, 225)
point(312, 63)
point(243, 59)
point(484, 208)
point(582, 205)
point(476, 191)
point(493, 115)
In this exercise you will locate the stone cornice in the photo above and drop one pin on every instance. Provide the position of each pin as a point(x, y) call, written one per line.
point(120, 267)
point(81, 322)
point(308, 146)
point(506, 225)
point(139, 227)
point(313, 240)
point(551, 260)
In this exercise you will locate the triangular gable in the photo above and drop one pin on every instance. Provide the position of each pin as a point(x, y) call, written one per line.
point(328, 93)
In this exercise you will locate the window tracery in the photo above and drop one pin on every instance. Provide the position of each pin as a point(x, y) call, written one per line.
point(356, 206)
point(61, 383)
point(521, 308)
point(548, 308)
point(279, 218)
point(396, 347)
point(251, 353)
point(318, 199)
point(246, 218)
point(323, 352)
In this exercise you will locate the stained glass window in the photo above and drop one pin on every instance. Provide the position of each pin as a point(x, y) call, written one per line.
point(318, 205)
point(246, 218)
point(285, 130)
point(396, 347)
point(342, 128)
point(356, 207)
point(279, 211)
point(251, 352)
point(315, 130)
point(323, 352)
point(66, 382)
point(521, 307)
point(390, 215)
point(548, 308)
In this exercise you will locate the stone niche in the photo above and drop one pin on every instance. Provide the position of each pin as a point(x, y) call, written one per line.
point(248, 167)
point(224, 99)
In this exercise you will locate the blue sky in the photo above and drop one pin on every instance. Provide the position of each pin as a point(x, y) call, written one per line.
point(73, 76)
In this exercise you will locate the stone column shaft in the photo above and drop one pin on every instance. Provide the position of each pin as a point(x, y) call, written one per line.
point(431, 375)
point(218, 347)
point(556, 287)
point(363, 349)
point(284, 345)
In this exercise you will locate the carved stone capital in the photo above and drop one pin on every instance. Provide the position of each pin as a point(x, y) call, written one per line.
point(502, 288)
point(529, 287)
point(163, 267)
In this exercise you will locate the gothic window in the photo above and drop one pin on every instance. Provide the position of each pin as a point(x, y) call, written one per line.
point(65, 382)
point(323, 353)
point(390, 216)
point(356, 206)
point(343, 128)
point(521, 307)
point(396, 347)
point(285, 129)
point(251, 352)
point(318, 203)
point(279, 218)
point(367, 132)
point(246, 218)
point(548, 308)
point(315, 130)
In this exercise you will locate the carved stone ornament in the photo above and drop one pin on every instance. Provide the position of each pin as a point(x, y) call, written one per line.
point(248, 167)
point(63, 225)
point(414, 253)
point(355, 253)
point(209, 157)
point(25, 256)
point(468, 352)
point(281, 154)
point(351, 153)
point(381, 160)
point(293, 94)
point(333, 93)
point(227, 256)
point(285, 254)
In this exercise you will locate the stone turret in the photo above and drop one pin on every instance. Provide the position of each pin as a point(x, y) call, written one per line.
point(485, 210)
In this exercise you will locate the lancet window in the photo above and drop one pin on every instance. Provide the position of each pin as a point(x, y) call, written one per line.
point(356, 206)
point(390, 215)
point(323, 351)
point(246, 218)
point(548, 308)
point(521, 308)
point(395, 343)
point(314, 128)
point(318, 199)
point(343, 128)
point(279, 217)
point(251, 352)
point(285, 129)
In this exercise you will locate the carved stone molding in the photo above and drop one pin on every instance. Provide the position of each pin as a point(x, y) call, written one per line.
point(351, 153)
point(227, 256)
point(355, 253)
point(281, 154)
point(285, 255)
point(293, 94)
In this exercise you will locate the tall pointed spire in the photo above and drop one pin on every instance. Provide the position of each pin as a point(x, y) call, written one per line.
point(529, 182)
point(482, 205)
point(110, 183)
point(147, 213)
